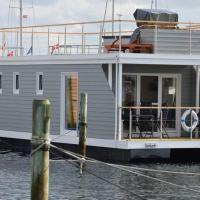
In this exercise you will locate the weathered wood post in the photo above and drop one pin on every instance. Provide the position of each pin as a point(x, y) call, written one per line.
point(40, 156)
point(83, 126)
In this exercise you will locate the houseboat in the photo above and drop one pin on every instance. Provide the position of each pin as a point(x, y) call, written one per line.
point(142, 85)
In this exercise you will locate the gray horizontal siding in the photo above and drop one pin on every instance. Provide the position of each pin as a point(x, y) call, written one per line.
point(16, 110)
point(172, 41)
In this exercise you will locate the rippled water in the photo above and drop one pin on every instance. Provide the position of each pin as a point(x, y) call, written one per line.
point(66, 183)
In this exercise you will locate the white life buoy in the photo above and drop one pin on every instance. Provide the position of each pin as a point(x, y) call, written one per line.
point(195, 120)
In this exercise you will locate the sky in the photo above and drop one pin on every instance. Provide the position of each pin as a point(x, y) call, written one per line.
point(64, 11)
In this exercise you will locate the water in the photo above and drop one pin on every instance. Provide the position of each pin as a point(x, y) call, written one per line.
point(66, 183)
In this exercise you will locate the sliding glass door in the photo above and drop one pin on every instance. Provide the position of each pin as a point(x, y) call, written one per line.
point(169, 99)
point(152, 90)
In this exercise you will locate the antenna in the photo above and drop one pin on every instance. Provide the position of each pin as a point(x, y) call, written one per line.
point(156, 4)
point(20, 7)
point(113, 16)
point(21, 24)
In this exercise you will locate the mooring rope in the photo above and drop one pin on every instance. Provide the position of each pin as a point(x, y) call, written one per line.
point(137, 173)
point(104, 179)
point(82, 159)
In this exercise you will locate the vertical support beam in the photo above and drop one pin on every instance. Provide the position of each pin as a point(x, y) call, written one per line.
point(83, 38)
point(197, 87)
point(120, 33)
point(65, 40)
point(119, 101)
point(197, 94)
point(116, 99)
point(190, 39)
point(110, 74)
point(40, 149)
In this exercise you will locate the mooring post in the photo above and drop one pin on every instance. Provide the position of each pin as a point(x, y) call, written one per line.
point(40, 149)
point(83, 127)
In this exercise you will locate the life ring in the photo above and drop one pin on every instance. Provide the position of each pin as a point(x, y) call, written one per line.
point(195, 120)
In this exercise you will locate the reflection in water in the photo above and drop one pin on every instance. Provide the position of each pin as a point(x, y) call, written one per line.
point(66, 183)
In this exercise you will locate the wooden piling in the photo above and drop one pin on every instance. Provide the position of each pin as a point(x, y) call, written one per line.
point(83, 126)
point(40, 158)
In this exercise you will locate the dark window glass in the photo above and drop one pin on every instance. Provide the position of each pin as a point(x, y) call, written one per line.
point(40, 82)
point(0, 81)
point(17, 82)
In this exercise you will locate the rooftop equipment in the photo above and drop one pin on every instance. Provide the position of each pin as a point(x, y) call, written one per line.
point(152, 17)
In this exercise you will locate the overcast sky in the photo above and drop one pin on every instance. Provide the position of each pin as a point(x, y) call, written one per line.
point(61, 11)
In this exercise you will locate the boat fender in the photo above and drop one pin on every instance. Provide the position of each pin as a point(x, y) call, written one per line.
point(195, 120)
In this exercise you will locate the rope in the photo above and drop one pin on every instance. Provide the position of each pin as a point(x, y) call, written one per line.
point(37, 149)
point(161, 171)
point(103, 179)
point(80, 158)
point(140, 174)
point(59, 136)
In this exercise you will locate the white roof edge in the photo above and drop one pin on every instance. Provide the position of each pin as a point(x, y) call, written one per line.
point(124, 58)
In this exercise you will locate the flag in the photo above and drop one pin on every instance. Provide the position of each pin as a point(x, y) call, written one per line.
point(10, 54)
point(54, 47)
point(30, 51)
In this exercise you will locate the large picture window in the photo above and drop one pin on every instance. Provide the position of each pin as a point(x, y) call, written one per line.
point(71, 101)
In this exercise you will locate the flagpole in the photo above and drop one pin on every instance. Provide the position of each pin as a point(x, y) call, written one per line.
point(32, 43)
point(113, 16)
point(21, 33)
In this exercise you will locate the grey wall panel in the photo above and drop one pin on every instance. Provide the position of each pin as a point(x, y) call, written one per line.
point(16, 110)
point(172, 41)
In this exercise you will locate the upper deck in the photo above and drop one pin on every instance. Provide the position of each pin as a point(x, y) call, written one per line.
point(94, 38)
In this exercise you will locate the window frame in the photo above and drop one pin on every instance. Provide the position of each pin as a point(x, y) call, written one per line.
point(38, 90)
point(63, 129)
point(15, 89)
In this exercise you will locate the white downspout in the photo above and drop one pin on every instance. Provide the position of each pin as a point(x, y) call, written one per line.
point(197, 93)
point(110, 75)
point(197, 87)
point(116, 100)
point(119, 101)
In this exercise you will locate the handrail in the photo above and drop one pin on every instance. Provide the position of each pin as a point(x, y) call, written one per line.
point(158, 107)
point(99, 22)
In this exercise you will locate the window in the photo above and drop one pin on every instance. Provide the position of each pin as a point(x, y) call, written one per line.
point(0, 82)
point(15, 82)
point(39, 83)
point(71, 101)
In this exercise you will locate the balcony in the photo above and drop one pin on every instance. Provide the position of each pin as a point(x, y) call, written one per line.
point(95, 37)
point(154, 122)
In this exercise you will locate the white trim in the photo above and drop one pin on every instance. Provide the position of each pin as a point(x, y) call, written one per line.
point(197, 86)
point(160, 77)
point(119, 102)
point(110, 74)
point(15, 91)
point(125, 58)
point(116, 100)
point(62, 102)
point(123, 144)
point(38, 91)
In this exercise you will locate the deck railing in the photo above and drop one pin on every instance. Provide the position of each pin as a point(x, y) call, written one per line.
point(160, 122)
point(83, 38)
